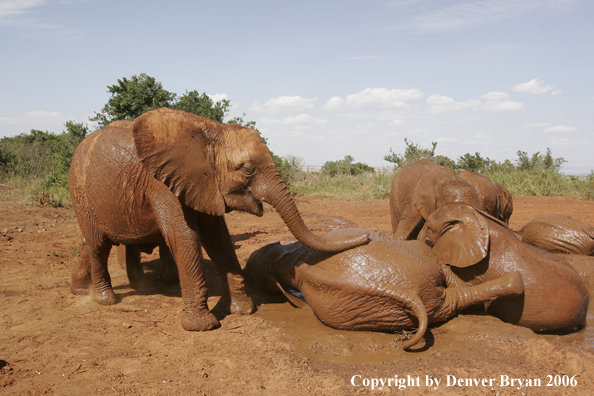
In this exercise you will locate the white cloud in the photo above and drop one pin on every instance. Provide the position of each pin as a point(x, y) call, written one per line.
point(39, 118)
point(17, 7)
point(444, 104)
point(394, 119)
point(383, 98)
point(284, 103)
point(538, 125)
point(301, 119)
point(335, 102)
point(444, 16)
point(499, 102)
point(557, 92)
point(560, 128)
point(218, 97)
point(535, 87)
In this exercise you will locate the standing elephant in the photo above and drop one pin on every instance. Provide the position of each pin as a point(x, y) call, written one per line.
point(480, 248)
point(386, 285)
point(559, 234)
point(494, 198)
point(420, 188)
point(171, 176)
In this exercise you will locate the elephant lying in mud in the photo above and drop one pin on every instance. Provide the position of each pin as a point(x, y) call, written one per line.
point(170, 176)
point(480, 248)
point(559, 234)
point(385, 285)
point(420, 188)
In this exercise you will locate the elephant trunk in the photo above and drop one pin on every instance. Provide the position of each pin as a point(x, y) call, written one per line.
point(275, 192)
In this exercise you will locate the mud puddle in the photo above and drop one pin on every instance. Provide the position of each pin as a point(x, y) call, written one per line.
point(466, 334)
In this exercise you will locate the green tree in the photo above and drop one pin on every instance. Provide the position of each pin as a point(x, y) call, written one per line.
point(474, 163)
point(412, 153)
point(538, 161)
point(202, 105)
point(133, 97)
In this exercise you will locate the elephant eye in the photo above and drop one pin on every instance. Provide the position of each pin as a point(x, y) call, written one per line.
point(248, 169)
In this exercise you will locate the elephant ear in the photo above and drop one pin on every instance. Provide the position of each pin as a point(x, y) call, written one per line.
point(175, 147)
point(464, 241)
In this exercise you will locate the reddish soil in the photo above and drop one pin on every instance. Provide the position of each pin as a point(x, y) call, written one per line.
point(53, 342)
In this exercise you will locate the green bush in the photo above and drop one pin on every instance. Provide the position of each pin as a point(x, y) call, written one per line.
point(288, 167)
point(345, 166)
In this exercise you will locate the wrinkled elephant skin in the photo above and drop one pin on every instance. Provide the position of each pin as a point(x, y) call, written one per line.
point(480, 248)
point(494, 198)
point(559, 234)
point(170, 176)
point(385, 285)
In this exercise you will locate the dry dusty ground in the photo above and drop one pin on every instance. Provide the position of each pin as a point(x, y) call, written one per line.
point(53, 342)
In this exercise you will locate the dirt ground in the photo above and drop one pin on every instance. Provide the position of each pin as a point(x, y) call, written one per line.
point(53, 342)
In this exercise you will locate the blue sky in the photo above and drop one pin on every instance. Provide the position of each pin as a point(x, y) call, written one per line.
point(322, 79)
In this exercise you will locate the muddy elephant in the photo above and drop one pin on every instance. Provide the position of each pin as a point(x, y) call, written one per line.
point(171, 176)
point(420, 188)
point(385, 285)
point(559, 234)
point(129, 260)
point(494, 198)
point(480, 248)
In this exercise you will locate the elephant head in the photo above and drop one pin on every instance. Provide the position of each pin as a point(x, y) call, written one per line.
point(458, 234)
point(214, 169)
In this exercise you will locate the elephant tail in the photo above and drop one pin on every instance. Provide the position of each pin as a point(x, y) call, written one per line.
point(413, 301)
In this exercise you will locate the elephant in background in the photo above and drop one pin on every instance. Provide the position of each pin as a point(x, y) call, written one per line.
point(420, 188)
point(494, 198)
point(417, 190)
point(479, 248)
point(170, 176)
point(559, 234)
point(129, 260)
point(385, 285)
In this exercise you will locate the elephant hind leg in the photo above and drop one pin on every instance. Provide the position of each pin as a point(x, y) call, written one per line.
point(459, 298)
point(81, 274)
point(102, 291)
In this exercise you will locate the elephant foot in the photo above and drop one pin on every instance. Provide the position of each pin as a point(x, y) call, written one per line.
point(105, 297)
point(80, 287)
point(199, 321)
point(81, 281)
point(513, 283)
point(242, 305)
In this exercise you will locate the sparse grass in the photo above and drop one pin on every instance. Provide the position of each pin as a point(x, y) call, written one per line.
point(544, 182)
point(367, 185)
point(376, 185)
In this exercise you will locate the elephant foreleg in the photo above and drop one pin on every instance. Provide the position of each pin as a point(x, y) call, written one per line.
point(409, 226)
point(459, 298)
point(217, 242)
